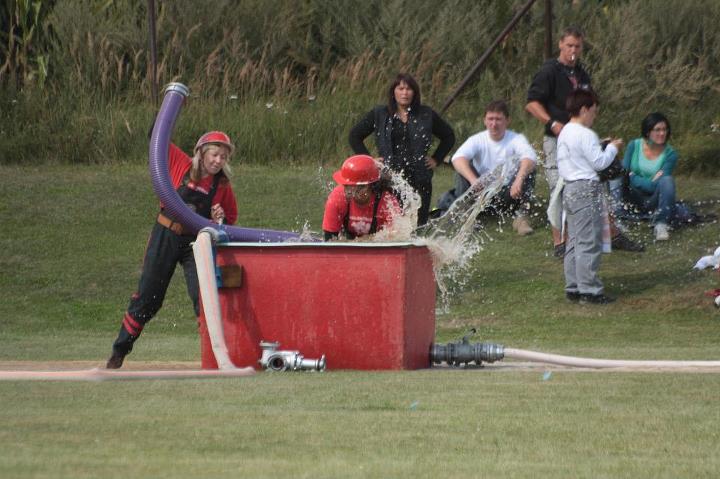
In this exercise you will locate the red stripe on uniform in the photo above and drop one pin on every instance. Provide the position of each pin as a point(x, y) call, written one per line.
point(132, 326)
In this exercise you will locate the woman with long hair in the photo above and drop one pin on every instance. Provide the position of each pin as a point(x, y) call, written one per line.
point(202, 183)
point(404, 130)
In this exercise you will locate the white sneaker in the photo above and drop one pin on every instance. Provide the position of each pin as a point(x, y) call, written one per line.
point(661, 232)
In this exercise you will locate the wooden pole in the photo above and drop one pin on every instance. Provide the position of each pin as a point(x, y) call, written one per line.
point(487, 54)
point(153, 50)
point(548, 29)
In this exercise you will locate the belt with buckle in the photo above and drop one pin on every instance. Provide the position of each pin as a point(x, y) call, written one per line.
point(173, 226)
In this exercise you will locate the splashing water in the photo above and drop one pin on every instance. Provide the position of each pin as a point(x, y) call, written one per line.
point(454, 238)
point(403, 224)
point(306, 234)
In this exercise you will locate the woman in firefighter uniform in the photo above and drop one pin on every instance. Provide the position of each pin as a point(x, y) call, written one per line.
point(202, 183)
point(360, 205)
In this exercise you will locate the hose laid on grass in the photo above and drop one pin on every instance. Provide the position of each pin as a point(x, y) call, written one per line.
point(606, 363)
point(116, 374)
point(465, 352)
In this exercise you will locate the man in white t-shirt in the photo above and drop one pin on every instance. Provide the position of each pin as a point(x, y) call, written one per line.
point(492, 148)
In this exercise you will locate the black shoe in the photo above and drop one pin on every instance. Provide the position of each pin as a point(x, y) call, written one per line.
point(559, 250)
point(572, 296)
point(622, 242)
point(707, 218)
point(115, 361)
point(595, 299)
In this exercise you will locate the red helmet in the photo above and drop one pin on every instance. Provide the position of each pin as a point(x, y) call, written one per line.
point(357, 170)
point(214, 137)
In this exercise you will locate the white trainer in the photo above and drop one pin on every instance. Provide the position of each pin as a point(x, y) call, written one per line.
point(661, 232)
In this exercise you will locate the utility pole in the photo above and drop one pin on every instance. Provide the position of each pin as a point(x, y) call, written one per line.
point(505, 32)
point(153, 50)
point(548, 30)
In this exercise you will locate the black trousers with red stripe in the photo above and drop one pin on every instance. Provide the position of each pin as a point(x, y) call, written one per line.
point(164, 251)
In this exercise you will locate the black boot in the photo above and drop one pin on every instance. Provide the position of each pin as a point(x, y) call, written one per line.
point(622, 242)
point(121, 348)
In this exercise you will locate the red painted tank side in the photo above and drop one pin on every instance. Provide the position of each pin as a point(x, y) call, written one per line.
point(363, 307)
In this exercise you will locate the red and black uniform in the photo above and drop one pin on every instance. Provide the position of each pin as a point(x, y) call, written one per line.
point(358, 220)
point(168, 245)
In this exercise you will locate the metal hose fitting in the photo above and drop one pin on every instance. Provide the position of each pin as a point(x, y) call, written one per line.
point(463, 352)
point(275, 360)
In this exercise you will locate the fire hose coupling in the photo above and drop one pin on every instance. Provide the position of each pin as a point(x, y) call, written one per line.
point(275, 360)
point(217, 234)
point(462, 352)
point(177, 87)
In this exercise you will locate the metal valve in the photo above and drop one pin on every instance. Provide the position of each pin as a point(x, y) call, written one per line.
point(275, 360)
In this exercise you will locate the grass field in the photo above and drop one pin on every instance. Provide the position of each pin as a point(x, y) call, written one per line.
point(74, 238)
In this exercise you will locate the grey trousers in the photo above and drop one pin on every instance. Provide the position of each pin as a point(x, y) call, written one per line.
point(550, 163)
point(582, 201)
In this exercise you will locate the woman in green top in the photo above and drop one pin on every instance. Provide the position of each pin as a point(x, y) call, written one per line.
point(650, 162)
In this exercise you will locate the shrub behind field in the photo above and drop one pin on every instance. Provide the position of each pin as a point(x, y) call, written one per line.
point(287, 79)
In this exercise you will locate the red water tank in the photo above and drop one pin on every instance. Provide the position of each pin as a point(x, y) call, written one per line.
point(362, 305)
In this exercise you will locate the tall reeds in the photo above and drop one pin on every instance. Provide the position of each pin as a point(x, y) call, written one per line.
point(325, 63)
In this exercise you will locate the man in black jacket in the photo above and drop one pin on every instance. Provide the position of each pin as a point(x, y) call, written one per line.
point(546, 102)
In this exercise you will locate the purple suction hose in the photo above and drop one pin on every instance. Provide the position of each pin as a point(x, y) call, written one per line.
point(175, 94)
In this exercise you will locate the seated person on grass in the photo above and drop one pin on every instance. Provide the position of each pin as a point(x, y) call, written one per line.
point(648, 190)
point(485, 151)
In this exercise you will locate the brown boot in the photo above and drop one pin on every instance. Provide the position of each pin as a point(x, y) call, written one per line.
point(115, 361)
point(522, 226)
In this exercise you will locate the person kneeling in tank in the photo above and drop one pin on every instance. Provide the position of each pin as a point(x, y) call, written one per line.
point(362, 203)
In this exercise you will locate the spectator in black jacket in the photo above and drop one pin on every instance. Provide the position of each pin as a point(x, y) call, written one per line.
point(403, 135)
point(546, 97)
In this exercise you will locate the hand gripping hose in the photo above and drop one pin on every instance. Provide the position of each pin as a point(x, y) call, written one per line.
point(175, 94)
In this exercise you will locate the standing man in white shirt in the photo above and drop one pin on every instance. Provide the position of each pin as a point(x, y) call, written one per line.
point(580, 156)
point(493, 147)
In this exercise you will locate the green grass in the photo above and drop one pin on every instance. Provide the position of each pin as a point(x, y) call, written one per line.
point(71, 250)
point(413, 424)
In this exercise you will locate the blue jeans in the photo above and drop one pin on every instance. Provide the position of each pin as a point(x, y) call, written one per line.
point(661, 201)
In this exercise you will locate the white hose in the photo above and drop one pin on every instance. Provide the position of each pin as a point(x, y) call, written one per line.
point(109, 375)
point(202, 249)
point(604, 363)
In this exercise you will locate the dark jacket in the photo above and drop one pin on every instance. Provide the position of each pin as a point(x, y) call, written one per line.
point(422, 125)
point(552, 84)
